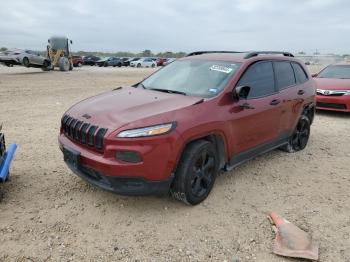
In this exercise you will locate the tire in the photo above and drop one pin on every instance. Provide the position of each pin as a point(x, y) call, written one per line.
point(119, 65)
point(196, 173)
point(153, 65)
point(63, 63)
point(138, 65)
point(25, 62)
point(300, 137)
point(46, 66)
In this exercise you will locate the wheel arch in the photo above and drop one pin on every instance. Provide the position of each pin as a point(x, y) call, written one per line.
point(309, 111)
point(217, 139)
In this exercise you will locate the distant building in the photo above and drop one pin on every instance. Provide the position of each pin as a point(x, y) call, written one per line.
point(320, 59)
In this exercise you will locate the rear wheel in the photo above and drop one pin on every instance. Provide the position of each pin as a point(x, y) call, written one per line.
point(300, 136)
point(26, 62)
point(46, 66)
point(64, 64)
point(196, 173)
point(138, 65)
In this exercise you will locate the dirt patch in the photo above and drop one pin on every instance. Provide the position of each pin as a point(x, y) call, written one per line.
point(47, 213)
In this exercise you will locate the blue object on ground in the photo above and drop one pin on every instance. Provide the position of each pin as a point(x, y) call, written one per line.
point(6, 161)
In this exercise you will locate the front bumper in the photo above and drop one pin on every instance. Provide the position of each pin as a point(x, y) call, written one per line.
point(153, 175)
point(122, 185)
point(333, 103)
point(8, 60)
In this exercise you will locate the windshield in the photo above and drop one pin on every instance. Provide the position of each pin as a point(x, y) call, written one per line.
point(337, 71)
point(192, 77)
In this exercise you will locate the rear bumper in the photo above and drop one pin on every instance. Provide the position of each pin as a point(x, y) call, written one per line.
point(333, 103)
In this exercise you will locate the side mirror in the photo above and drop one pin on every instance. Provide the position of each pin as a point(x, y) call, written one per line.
point(71, 41)
point(240, 92)
point(314, 75)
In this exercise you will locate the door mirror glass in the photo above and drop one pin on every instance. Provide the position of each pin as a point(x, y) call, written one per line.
point(240, 92)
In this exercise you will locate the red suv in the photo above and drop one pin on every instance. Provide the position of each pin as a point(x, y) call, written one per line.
point(77, 61)
point(175, 130)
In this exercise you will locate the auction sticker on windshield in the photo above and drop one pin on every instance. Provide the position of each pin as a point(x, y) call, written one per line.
point(221, 68)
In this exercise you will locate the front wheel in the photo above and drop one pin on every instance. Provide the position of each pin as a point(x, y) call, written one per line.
point(64, 63)
point(300, 136)
point(138, 65)
point(196, 173)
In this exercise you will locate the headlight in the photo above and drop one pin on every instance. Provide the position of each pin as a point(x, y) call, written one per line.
point(148, 131)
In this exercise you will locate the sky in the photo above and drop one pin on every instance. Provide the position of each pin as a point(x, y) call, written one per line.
point(179, 25)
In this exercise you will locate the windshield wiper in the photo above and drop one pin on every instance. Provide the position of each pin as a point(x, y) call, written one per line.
point(168, 91)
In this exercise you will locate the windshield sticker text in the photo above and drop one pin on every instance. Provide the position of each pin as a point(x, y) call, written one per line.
point(220, 68)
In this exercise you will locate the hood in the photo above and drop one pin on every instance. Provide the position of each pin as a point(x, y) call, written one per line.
point(332, 83)
point(103, 59)
point(119, 107)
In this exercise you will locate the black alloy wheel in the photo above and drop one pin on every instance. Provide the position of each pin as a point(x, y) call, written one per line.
point(196, 173)
point(300, 136)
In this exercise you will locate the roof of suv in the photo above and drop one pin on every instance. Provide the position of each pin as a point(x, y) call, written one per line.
point(237, 56)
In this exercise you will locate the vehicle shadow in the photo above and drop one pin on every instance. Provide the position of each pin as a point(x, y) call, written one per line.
point(26, 73)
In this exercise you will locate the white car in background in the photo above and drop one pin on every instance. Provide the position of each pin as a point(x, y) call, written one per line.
point(144, 62)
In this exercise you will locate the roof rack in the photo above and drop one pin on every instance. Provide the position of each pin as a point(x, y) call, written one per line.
point(256, 53)
point(212, 52)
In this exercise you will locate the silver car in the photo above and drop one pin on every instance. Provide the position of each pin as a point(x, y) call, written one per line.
point(28, 58)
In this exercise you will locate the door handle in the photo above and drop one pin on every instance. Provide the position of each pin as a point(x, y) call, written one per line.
point(301, 92)
point(275, 102)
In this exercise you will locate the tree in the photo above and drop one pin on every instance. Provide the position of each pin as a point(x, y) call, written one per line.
point(2, 49)
point(146, 53)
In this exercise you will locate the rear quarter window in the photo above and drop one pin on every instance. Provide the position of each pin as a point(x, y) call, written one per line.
point(284, 75)
point(300, 74)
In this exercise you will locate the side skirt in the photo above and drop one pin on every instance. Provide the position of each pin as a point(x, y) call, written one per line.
point(249, 154)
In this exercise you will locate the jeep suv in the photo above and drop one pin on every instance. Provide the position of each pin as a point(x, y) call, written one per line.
point(175, 130)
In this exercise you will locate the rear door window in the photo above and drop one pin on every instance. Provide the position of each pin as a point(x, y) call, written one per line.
point(300, 74)
point(284, 75)
point(259, 77)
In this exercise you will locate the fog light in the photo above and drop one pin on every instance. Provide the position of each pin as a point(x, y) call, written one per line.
point(128, 156)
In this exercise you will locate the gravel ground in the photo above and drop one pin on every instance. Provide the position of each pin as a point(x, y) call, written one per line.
point(49, 214)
